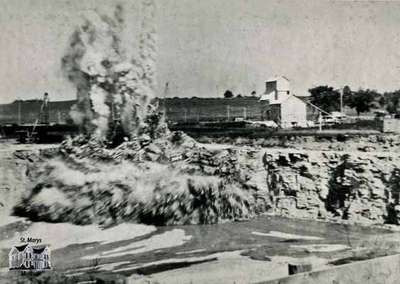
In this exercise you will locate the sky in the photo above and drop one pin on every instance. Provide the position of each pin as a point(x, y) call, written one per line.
point(206, 47)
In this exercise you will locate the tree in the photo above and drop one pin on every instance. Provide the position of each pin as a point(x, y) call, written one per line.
point(326, 98)
point(253, 93)
point(346, 91)
point(228, 94)
point(382, 101)
point(363, 100)
point(392, 101)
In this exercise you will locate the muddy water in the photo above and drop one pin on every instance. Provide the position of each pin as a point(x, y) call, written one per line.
point(254, 233)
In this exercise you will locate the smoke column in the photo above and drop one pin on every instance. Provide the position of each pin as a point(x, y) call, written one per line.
point(110, 86)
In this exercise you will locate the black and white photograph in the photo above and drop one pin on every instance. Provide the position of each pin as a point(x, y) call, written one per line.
point(212, 141)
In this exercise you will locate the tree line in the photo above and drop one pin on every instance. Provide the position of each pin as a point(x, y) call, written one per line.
point(362, 100)
point(229, 94)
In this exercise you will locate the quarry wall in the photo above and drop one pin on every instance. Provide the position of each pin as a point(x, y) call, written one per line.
point(356, 186)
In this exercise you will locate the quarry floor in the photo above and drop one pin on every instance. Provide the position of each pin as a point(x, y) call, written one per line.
point(240, 252)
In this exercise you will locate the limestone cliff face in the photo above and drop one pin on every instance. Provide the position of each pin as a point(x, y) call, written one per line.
point(360, 187)
point(13, 180)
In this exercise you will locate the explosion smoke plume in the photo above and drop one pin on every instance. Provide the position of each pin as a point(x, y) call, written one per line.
point(111, 86)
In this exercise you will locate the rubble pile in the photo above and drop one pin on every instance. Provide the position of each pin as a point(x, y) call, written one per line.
point(171, 180)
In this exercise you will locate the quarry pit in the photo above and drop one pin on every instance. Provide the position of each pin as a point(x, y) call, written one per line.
point(325, 206)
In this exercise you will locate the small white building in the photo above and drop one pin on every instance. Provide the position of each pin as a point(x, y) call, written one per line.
point(26, 257)
point(281, 106)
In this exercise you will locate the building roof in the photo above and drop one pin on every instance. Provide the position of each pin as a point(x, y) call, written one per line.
point(38, 250)
point(21, 248)
point(281, 99)
point(270, 97)
point(266, 97)
point(276, 78)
